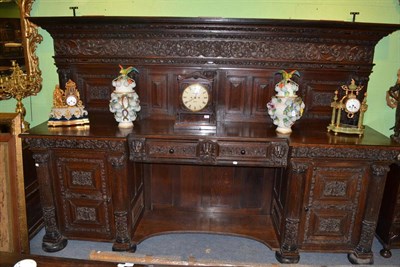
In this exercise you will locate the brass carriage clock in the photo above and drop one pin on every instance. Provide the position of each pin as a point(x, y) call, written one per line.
point(348, 110)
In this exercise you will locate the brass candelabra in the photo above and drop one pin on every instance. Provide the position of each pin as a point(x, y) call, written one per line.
point(19, 85)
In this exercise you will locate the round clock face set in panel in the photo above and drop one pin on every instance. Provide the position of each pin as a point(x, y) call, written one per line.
point(195, 97)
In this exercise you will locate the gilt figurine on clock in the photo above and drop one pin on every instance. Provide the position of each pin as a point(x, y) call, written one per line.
point(195, 110)
point(67, 109)
point(348, 108)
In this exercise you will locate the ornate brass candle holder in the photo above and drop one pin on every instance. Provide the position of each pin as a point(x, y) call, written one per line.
point(19, 85)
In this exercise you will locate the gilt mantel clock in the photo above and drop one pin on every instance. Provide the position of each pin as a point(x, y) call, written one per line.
point(196, 109)
point(348, 110)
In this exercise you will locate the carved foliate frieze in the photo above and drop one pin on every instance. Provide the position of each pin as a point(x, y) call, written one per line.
point(208, 151)
point(183, 48)
point(344, 153)
point(41, 143)
point(172, 149)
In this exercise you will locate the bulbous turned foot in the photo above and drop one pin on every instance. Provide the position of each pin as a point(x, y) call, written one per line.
point(287, 258)
point(386, 253)
point(55, 246)
point(354, 259)
point(127, 247)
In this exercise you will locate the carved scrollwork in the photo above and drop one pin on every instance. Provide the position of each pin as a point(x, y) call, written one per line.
point(184, 48)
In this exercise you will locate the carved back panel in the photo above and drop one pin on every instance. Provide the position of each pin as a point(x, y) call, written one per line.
point(244, 53)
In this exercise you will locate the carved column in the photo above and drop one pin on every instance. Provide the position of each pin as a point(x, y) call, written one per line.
point(53, 240)
point(362, 253)
point(121, 203)
point(288, 252)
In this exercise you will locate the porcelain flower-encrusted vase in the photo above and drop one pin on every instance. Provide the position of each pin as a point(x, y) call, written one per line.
point(124, 101)
point(285, 107)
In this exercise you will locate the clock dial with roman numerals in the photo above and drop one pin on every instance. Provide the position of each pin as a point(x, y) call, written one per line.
point(195, 97)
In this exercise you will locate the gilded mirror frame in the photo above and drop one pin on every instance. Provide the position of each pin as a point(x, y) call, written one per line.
point(30, 39)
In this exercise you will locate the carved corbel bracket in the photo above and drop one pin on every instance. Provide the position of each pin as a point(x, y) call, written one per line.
point(208, 151)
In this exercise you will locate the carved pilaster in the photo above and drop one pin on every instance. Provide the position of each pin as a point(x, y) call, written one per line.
point(123, 234)
point(288, 252)
point(52, 240)
point(362, 253)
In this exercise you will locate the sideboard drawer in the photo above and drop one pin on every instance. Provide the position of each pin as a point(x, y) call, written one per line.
point(264, 153)
point(160, 149)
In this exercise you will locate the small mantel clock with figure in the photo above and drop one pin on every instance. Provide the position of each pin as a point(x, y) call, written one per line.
point(393, 101)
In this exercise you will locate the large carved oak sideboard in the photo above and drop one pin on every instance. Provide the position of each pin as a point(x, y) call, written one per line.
point(309, 191)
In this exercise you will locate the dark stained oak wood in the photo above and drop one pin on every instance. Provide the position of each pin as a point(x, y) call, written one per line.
point(309, 191)
point(170, 221)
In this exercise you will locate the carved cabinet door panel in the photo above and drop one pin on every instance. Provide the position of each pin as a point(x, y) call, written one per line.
point(83, 194)
point(333, 201)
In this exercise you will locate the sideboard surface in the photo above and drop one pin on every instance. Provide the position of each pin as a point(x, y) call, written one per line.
point(308, 191)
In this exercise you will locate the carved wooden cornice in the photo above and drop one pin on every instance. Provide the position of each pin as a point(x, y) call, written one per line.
point(252, 42)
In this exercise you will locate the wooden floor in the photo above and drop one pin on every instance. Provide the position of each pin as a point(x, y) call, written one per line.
point(258, 227)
